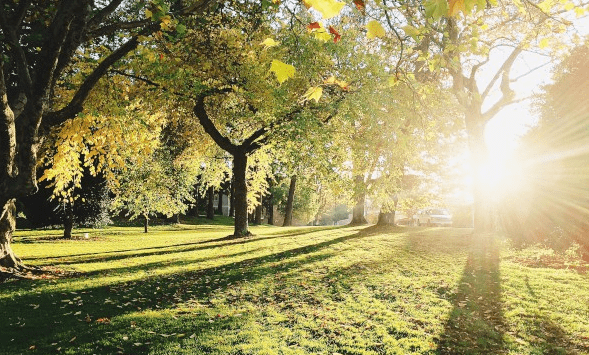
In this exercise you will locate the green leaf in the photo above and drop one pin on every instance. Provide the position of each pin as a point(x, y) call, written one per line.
point(436, 8)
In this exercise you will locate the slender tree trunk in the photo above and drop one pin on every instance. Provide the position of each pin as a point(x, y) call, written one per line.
point(7, 226)
point(240, 192)
point(68, 223)
point(145, 223)
point(210, 203)
point(258, 212)
point(196, 203)
point(270, 209)
point(358, 210)
point(220, 203)
point(290, 202)
point(232, 199)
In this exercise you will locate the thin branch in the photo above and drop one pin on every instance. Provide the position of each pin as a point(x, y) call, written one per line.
point(386, 13)
point(110, 29)
point(505, 68)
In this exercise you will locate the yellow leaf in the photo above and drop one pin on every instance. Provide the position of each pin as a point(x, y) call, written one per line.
point(544, 42)
point(393, 81)
point(375, 29)
point(322, 35)
point(327, 8)
point(454, 6)
point(166, 23)
point(282, 71)
point(148, 13)
point(314, 93)
point(269, 42)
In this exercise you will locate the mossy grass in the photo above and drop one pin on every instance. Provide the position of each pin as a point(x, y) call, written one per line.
point(187, 289)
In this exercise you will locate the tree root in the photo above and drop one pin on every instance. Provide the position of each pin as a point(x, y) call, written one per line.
point(24, 272)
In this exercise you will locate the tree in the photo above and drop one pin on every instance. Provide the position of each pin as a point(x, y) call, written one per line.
point(40, 45)
point(153, 187)
point(238, 104)
point(438, 39)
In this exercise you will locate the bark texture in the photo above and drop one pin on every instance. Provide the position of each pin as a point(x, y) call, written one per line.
point(220, 203)
point(7, 226)
point(210, 203)
point(290, 202)
point(240, 199)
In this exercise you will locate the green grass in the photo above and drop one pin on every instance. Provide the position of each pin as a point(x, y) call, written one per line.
point(187, 289)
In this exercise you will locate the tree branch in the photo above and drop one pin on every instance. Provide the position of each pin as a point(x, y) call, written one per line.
point(24, 75)
point(103, 13)
point(504, 69)
point(75, 105)
point(201, 113)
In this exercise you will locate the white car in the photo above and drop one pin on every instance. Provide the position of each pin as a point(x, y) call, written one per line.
point(433, 217)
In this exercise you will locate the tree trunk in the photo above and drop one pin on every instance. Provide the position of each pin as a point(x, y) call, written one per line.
point(358, 210)
point(240, 192)
point(270, 209)
point(232, 199)
point(258, 212)
point(68, 223)
point(7, 226)
point(386, 216)
point(483, 210)
point(210, 203)
point(220, 203)
point(145, 223)
point(196, 202)
point(290, 202)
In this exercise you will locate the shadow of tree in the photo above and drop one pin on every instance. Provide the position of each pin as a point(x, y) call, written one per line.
point(56, 317)
point(476, 324)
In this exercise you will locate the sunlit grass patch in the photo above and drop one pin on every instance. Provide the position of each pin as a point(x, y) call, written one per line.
point(346, 290)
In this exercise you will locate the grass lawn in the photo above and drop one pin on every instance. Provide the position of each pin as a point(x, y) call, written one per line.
point(186, 289)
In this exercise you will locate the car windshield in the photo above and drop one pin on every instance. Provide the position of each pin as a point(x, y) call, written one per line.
point(438, 212)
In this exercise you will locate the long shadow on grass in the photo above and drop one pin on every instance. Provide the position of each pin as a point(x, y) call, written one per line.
point(156, 250)
point(70, 320)
point(549, 338)
point(476, 323)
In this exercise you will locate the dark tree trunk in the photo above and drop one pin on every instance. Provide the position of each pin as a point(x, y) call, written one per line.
point(68, 223)
point(7, 226)
point(220, 203)
point(145, 223)
point(290, 202)
point(196, 203)
point(270, 209)
point(232, 199)
point(210, 203)
point(240, 192)
point(258, 212)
